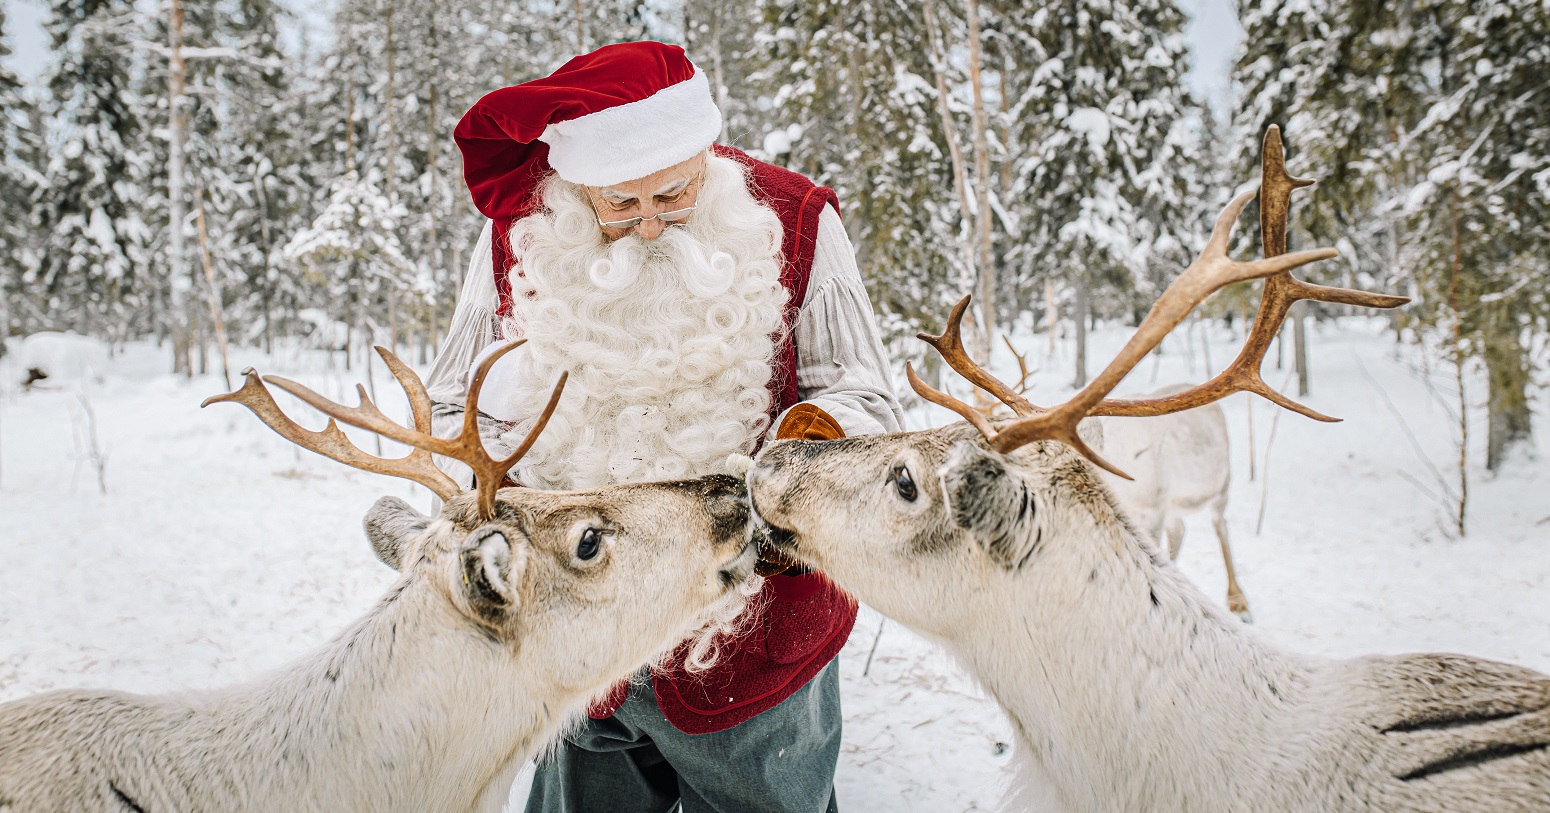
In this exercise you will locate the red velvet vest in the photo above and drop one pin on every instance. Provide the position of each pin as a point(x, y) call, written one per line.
point(803, 620)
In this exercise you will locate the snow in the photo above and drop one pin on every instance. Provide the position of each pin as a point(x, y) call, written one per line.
point(1092, 123)
point(219, 551)
point(778, 142)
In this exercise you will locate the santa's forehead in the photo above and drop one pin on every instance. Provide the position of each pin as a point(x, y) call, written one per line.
point(616, 193)
point(659, 182)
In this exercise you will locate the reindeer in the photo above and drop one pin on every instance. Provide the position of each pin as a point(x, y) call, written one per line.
point(62, 358)
point(514, 608)
point(1127, 688)
point(1180, 464)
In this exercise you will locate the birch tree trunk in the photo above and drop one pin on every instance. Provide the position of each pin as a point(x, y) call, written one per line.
point(391, 159)
point(715, 57)
point(1079, 317)
point(439, 272)
point(1300, 348)
point(180, 283)
point(1454, 271)
point(960, 173)
point(213, 291)
point(986, 286)
point(1508, 416)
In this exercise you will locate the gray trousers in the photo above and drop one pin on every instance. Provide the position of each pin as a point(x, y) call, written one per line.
point(781, 761)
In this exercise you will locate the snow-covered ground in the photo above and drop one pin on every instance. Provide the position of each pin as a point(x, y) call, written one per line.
point(219, 551)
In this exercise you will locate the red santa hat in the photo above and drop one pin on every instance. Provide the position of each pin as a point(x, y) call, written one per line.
point(619, 113)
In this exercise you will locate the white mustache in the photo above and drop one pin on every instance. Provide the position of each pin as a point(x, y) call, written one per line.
point(704, 272)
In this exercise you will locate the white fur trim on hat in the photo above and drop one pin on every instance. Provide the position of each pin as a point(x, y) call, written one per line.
point(633, 140)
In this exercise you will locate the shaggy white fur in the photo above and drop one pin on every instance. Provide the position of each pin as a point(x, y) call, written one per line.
point(1128, 689)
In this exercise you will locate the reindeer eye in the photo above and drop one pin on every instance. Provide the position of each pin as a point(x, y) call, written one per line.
point(591, 542)
point(903, 482)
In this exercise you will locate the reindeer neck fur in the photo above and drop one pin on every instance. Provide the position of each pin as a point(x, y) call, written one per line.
point(1129, 689)
point(396, 713)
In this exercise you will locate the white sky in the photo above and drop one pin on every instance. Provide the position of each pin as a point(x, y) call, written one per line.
point(1213, 33)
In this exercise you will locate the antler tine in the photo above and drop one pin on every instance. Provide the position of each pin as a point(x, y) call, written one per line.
point(1022, 365)
point(1275, 192)
point(489, 472)
point(950, 346)
point(365, 416)
point(940, 398)
point(332, 442)
point(414, 389)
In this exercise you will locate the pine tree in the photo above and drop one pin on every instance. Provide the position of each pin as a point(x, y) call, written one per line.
point(717, 34)
point(352, 253)
point(1476, 222)
point(388, 96)
point(1289, 48)
point(254, 185)
point(1427, 125)
point(1105, 174)
point(851, 106)
point(21, 175)
point(93, 267)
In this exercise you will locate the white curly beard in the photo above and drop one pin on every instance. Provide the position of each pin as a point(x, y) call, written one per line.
point(668, 342)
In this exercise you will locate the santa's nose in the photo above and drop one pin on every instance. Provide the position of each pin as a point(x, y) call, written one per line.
point(650, 229)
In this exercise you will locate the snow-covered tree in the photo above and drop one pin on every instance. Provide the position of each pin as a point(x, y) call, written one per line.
point(93, 266)
point(718, 35)
point(352, 255)
point(1426, 123)
point(1105, 169)
point(849, 102)
point(1475, 222)
point(253, 181)
point(21, 166)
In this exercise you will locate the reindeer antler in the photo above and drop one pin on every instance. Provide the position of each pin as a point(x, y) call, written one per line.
point(1209, 273)
point(418, 465)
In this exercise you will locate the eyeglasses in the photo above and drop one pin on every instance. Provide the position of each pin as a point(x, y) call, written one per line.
point(673, 216)
point(666, 217)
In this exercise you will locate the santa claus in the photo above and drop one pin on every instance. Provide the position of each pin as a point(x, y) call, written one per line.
point(695, 295)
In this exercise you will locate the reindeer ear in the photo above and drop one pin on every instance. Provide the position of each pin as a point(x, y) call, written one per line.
point(492, 567)
point(390, 524)
point(992, 502)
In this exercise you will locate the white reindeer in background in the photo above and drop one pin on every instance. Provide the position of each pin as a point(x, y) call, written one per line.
point(512, 611)
point(1179, 464)
point(1127, 688)
point(61, 358)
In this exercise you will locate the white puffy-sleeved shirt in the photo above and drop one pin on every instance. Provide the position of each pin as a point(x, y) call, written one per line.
point(840, 363)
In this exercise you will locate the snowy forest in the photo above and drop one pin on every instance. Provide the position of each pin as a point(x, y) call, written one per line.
point(179, 172)
point(195, 186)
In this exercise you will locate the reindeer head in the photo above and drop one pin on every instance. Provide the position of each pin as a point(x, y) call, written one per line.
point(595, 581)
point(604, 579)
point(941, 509)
